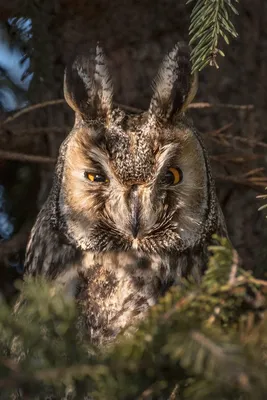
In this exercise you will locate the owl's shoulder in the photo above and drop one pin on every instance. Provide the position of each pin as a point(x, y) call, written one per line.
point(48, 252)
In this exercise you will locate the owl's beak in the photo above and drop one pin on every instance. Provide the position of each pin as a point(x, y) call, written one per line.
point(135, 225)
point(134, 211)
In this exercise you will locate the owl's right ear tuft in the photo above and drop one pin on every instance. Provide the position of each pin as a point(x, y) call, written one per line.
point(87, 86)
point(175, 86)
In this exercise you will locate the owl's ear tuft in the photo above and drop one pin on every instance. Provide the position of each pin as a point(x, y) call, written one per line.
point(175, 86)
point(88, 88)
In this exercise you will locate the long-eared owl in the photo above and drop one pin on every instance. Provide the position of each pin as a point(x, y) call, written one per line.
point(133, 205)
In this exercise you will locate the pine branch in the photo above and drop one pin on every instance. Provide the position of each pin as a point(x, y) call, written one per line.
point(210, 20)
point(206, 340)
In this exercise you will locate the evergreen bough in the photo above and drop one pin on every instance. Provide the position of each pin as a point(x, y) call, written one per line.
point(204, 341)
point(210, 20)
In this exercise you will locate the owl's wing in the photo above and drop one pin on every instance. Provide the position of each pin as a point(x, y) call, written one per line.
point(221, 225)
point(47, 253)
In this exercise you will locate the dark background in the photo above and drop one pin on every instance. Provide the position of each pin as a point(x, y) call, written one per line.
point(136, 36)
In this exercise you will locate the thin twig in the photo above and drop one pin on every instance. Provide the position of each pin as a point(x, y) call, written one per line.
point(10, 155)
point(243, 182)
point(251, 142)
point(220, 130)
point(198, 106)
point(254, 171)
point(258, 281)
point(224, 137)
point(32, 108)
point(226, 158)
point(41, 130)
point(221, 105)
point(234, 268)
point(129, 108)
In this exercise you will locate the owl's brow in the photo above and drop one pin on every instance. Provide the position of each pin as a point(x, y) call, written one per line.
point(166, 154)
point(98, 158)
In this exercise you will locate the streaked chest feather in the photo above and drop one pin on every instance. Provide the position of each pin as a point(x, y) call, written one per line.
point(115, 290)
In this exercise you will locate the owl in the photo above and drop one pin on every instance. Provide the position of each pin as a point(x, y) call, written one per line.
point(133, 205)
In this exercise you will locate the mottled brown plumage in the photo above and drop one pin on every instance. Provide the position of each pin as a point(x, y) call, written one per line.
point(119, 241)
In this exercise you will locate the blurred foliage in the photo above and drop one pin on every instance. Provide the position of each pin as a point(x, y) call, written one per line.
point(208, 341)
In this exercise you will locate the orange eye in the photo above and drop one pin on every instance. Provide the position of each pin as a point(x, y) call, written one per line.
point(173, 176)
point(96, 178)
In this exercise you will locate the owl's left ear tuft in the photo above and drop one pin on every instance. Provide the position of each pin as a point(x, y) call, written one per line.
point(175, 86)
point(88, 88)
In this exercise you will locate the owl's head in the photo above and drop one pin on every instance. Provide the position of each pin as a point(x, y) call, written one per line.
point(133, 181)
